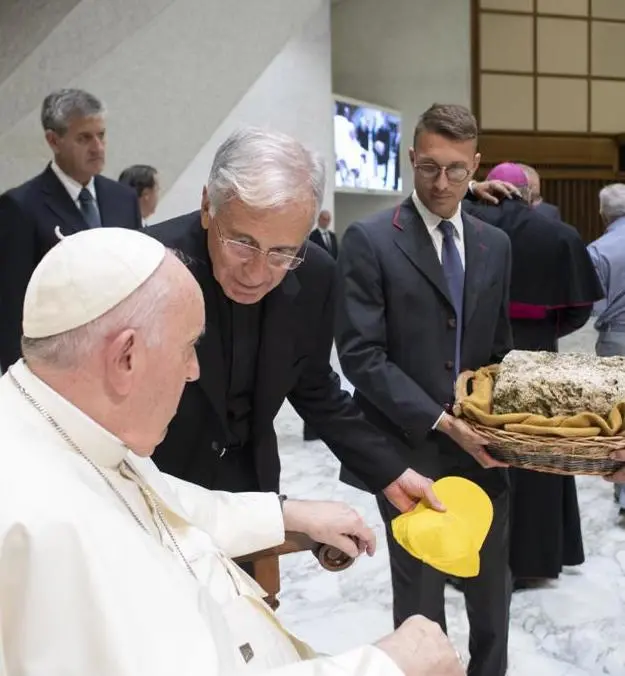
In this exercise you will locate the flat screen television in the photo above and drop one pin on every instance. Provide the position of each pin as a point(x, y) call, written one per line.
point(366, 147)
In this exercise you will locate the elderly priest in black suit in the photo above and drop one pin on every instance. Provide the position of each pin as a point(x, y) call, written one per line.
point(69, 195)
point(269, 295)
point(423, 295)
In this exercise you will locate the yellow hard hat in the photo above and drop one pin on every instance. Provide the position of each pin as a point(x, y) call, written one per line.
point(448, 541)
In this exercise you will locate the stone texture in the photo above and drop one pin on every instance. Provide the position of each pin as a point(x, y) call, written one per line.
point(551, 384)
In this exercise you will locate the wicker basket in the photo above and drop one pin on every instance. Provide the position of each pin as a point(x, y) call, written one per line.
point(551, 454)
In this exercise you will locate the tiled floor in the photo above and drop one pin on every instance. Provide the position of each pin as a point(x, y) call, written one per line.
point(572, 627)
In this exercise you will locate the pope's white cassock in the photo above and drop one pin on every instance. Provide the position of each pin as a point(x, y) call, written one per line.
point(84, 591)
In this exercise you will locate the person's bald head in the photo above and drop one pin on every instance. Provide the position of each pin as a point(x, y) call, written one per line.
point(324, 219)
point(127, 368)
point(533, 184)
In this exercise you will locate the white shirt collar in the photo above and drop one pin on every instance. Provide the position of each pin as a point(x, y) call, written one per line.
point(71, 185)
point(99, 445)
point(432, 220)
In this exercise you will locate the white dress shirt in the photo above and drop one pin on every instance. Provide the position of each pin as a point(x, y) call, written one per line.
point(72, 186)
point(432, 222)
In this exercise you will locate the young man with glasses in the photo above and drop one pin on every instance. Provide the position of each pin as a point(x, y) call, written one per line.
point(423, 295)
point(269, 296)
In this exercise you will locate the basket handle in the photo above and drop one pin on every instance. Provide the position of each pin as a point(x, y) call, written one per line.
point(462, 389)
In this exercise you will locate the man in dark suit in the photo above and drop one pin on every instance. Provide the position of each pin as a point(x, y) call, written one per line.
point(323, 236)
point(423, 295)
point(69, 195)
point(269, 295)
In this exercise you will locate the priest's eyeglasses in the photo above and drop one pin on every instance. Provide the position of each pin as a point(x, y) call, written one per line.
point(246, 252)
point(456, 173)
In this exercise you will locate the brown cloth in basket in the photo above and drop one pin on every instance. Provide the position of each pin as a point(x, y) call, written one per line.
point(478, 405)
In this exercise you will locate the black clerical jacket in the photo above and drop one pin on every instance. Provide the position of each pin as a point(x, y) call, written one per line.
point(293, 362)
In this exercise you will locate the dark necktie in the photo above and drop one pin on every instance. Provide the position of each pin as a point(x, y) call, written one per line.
point(89, 209)
point(454, 274)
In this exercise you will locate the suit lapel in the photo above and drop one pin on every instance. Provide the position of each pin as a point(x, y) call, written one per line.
point(106, 207)
point(412, 237)
point(275, 354)
point(61, 204)
point(476, 258)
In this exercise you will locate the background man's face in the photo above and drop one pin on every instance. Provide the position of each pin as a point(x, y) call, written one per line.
point(440, 195)
point(81, 150)
point(324, 220)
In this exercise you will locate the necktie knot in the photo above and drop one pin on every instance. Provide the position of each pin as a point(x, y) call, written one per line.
point(447, 228)
point(85, 197)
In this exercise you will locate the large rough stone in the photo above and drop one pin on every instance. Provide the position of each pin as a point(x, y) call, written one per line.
point(550, 384)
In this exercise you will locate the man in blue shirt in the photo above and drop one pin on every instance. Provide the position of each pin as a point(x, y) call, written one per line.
point(608, 256)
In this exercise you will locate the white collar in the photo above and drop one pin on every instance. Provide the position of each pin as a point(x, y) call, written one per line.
point(432, 221)
point(97, 443)
point(71, 185)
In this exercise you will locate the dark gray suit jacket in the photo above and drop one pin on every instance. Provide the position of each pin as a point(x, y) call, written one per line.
point(395, 329)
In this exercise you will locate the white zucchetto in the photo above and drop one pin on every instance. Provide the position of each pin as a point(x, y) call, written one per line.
point(85, 275)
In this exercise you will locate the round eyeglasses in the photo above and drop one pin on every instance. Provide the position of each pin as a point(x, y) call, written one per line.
point(244, 252)
point(456, 173)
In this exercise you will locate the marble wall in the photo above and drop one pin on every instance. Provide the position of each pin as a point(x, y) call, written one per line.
point(405, 55)
point(292, 95)
point(170, 71)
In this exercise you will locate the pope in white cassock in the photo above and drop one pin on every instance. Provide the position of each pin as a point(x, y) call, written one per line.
point(107, 566)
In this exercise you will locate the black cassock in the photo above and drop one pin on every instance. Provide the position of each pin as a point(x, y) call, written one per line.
point(552, 289)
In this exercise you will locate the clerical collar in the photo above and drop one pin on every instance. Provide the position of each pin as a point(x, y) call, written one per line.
point(101, 447)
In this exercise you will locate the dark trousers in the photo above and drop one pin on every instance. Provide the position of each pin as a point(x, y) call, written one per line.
point(420, 589)
point(309, 433)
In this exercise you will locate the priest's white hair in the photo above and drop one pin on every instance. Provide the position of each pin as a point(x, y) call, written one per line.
point(612, 202)
point(142, 310)
point(265, 170)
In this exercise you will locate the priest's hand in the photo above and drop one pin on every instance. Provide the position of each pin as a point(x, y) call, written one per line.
point(619, 476)
point(331, 523)
point(409, 489)
point(420, 648)
point(470, 441)
point(493, 191)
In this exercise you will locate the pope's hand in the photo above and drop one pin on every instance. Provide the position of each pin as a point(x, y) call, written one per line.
point(332, 523)
point(492, 191)
point(420, 648)
point(409, 489)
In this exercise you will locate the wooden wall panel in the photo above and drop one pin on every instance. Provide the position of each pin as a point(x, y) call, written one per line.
point(578, 200)
point(573, 169)
point(595, 155)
